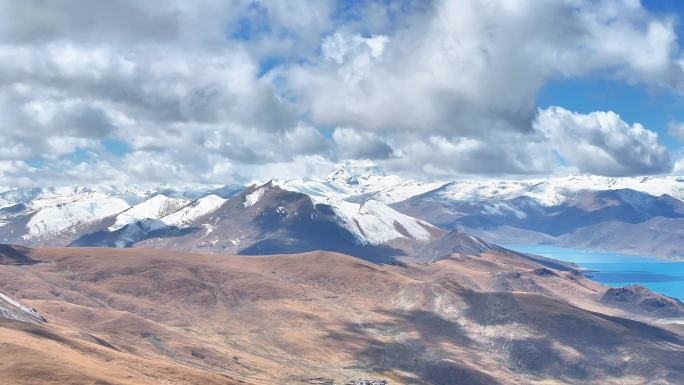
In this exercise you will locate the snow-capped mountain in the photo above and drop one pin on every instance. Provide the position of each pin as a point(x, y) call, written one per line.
point(569, 211)
point(193, 211)
point(554, 191)
point(155, 207)
point(53, 215)
point(268, 219)
point(373, 208)
point(358, 182)
point(375, 223)
point(586, 212)
point(351, 198)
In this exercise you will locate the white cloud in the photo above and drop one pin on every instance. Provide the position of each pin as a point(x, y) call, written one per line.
point(440, 157)
point(602, 143)
point(476, 66)
point(676, 130)
point(427, 88)
point(679, 167)
point(353, 144)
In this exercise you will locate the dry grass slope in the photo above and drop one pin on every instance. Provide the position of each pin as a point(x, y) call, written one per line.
point(139, 316)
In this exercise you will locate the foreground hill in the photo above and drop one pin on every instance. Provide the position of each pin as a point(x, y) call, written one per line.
point(121, 316)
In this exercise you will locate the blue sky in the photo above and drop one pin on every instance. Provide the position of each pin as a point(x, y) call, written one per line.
point(224, 91)
point(652, 107)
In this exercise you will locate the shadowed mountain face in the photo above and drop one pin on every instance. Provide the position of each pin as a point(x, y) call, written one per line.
point(635, 215)
point(658, 236)
point(594, 219)
point(491, 318)
point(455, 242)
point(15, 255)
point(583, 209)
point(261, 220)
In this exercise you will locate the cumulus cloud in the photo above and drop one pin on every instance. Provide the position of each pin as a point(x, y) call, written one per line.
point(216, 91)
point(438, 156)
point(472, 67)
point(353, 144)
point(602, 143)
point(676, 130)
point(679, 166)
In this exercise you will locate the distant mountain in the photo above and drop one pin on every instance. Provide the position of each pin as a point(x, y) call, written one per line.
point(58, 216)
point(53, 218)
point(555, 190)
point(358, 182)
point(586, 218)
point(570, 211)
point(657, 236)
point(577, 211)
point(267, 219)
point(156, 207)
point(262, 219)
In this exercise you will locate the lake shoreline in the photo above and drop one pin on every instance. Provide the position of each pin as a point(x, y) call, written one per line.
point(665, 258)
point(664, 276)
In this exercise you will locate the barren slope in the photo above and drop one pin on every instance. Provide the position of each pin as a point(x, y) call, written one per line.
point(293, 319)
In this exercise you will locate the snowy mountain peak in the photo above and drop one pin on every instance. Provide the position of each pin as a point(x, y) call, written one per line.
point(351, 171)
point(255, 193)
point(192, 212)
point(358, 182)
point(154, 208)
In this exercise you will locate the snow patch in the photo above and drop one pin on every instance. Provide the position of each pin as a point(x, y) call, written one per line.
point(154, 208)
point(555, 191)
point(255, 196)
point(358, 184)
point(375, 223)
point(134, 232)
point(192, 212)
point(63, 213)
point(15, 310)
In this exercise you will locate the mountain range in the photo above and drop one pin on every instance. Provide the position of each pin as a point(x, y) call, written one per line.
point(356, 276)
point(356, 207)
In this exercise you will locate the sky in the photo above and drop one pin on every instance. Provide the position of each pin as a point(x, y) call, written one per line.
point(208, 91)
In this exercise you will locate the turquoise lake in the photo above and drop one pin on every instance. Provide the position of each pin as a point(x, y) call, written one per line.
point(615, 269)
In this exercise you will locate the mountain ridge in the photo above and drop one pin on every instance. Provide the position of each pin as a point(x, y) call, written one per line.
point(565, 211)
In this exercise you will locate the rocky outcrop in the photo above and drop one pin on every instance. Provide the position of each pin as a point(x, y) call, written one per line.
point(12, 309)
point(638, 299)
point(15, 255)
